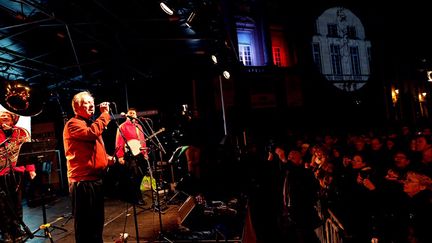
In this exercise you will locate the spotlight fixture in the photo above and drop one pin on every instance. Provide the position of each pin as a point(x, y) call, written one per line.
point(214, 59)
point(166, 8)
point(226, 74)
point(429, 76)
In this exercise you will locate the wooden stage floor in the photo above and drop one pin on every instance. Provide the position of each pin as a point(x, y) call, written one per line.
point(119, 218)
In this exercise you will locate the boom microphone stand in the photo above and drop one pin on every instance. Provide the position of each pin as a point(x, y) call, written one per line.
point(128, 156)
point(47, 227)
point(158, 144)
point(63, 113)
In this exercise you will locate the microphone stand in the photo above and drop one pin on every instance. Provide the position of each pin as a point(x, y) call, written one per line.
point(128, 154)
point(158, 144)
point(175, 157)
point(56, 96)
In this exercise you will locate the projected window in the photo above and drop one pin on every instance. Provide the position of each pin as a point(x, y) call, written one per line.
point(336, 60)
point(316, 52)
point(355, 60)
point(340, 49)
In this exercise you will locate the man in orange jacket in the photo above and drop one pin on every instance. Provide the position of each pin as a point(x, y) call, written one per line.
point(86, 163)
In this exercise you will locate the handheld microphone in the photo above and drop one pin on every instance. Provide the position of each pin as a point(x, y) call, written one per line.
point(122, 114)
point(110, 103)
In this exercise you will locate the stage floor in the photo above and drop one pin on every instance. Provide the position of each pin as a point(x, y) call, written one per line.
point(119, 218)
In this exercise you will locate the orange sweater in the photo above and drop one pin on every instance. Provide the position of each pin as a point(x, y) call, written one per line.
point(84, 148)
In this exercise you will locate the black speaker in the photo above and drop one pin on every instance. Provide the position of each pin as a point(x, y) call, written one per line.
point(186, 209)
point(192, 216)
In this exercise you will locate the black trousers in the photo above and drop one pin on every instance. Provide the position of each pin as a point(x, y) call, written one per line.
point(88, 211)
point(11, 211)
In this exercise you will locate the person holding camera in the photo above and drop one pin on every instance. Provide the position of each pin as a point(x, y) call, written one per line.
point(360, 198)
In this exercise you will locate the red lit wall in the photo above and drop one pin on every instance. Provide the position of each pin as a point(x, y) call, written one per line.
point(278, 40)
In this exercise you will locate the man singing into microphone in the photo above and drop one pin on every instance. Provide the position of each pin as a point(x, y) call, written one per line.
point(130, 135)
point(86, 163)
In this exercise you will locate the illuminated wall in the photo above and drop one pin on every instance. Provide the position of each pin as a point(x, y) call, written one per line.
point(340, 49)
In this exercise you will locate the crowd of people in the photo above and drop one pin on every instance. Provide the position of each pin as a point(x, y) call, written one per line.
point(378, 186)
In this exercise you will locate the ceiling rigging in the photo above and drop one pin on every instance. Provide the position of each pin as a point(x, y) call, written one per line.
point(78, 43)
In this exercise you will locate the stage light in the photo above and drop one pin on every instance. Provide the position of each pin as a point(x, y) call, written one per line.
point(394, 95)
point(226, 74)
point(168, 10)
point(429, 76)
point(214, 59)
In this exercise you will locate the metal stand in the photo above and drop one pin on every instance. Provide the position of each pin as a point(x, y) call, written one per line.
point(128, 157)
point(56, 96)
point(150, 135)
point(68, 217)
point(47, 227)
point(175, 157)
point(158, 144)
point(177, 192)
point(136, 222)
point(5, 198)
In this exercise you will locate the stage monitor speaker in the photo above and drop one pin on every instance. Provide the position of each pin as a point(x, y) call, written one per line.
point(186, 209)
point(191, 215)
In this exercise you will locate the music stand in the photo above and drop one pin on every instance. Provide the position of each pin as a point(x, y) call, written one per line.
point(29, 158)
point(175, 159)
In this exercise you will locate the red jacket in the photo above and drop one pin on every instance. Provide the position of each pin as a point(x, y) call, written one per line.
point(13, 145)
point(84, 148)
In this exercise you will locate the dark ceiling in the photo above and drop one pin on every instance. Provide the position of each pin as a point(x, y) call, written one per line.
point(94, 42)
point(72, 45)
